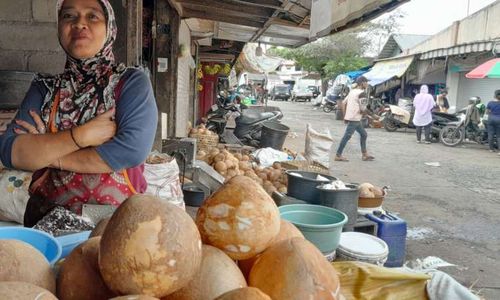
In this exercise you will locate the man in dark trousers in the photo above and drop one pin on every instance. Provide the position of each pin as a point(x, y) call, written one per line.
point(354, 109)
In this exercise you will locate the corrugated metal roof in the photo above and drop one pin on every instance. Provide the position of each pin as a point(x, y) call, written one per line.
point(397, 43)
point(458, 50)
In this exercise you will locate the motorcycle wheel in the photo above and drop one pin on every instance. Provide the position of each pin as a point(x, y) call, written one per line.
point(451, 136)
point(328, 108)
point(390, 125)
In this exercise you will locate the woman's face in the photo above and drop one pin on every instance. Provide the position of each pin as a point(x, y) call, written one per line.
point(82, 28)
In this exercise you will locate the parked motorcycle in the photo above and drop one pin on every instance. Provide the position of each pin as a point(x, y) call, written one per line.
point(330, 105)
point(401, 116)
point(471, 126)
point(219, 113)
point(249, 125)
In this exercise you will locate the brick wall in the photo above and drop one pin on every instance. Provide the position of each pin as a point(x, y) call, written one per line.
point(28, 36)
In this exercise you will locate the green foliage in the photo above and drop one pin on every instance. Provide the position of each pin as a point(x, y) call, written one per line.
point(329, 56)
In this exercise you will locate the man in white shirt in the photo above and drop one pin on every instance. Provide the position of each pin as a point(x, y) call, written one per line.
point(354, 110)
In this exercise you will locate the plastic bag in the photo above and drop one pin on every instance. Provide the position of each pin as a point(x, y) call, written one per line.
point(162, 175)
point(14, 186)
point(268, 156)
point(318, 145)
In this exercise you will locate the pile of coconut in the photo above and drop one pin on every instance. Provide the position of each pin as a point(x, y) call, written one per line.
point(229, 165)
point(237, 248)
point(201, 130)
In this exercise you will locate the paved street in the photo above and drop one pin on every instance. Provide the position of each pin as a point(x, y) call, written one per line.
point(453, 211)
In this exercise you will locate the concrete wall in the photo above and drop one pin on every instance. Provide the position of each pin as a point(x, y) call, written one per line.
point(484, 25)
point(28, 36)
point(183, 82)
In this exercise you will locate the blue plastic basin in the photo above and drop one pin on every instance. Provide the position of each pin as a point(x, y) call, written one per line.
point(320, 225)
point(42, 241)
point(71, 241)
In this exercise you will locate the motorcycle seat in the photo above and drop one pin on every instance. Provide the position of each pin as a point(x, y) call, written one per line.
point(249, 117)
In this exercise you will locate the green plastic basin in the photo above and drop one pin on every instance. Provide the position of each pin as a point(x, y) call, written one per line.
point(320, 225)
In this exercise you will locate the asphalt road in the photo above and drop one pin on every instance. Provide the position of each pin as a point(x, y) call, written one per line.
point(453, 211)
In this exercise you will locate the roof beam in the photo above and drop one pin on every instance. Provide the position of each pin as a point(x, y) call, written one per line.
point(284, 36)
point(274, 4)
point(190, 13)
point(249, 10)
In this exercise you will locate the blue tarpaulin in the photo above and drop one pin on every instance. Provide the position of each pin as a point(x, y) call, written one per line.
point(355, 74)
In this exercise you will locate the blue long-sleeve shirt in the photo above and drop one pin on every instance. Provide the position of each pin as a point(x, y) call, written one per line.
point(136, 120)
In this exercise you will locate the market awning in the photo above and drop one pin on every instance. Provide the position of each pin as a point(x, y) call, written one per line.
point(257, 64)
point(355, 74)
point(331, 16)
point(483, 46)
point(388, 69)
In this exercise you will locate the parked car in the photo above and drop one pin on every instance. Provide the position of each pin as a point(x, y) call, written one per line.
point(300, 93)
point(315, 90)
point(280, 92)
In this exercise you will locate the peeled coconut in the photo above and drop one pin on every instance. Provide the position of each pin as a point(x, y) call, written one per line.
point(24, 291)
point(248, 293)
point(295, 269)
point(240, 218)
point(287, 231)
point(20, 261)
point(99, 228)
point(149, 247)
point(218, 275)
point(79, 277)
point(366, 190)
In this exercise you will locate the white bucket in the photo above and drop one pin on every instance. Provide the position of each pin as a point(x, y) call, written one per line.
point(357, 246)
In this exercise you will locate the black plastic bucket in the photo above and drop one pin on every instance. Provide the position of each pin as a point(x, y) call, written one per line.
point(344, 200)
point(304, 188)
point(273, 135)
point(193, 195)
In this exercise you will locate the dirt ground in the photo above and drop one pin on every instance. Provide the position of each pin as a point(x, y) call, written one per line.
point(453, 210)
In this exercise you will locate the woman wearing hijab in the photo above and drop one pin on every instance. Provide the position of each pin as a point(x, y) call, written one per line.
point(85, 132)
point(422, 119)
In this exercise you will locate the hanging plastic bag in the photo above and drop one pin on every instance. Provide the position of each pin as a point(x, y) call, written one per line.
point(162, 175)
point(14, 186)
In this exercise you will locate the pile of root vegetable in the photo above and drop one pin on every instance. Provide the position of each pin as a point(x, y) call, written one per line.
point(229, 165)
point(236, 248)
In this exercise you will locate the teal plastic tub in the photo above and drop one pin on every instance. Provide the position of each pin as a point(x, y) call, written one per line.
point(320, 225)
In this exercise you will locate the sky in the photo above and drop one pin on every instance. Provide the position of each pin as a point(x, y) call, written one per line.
point(431, 16)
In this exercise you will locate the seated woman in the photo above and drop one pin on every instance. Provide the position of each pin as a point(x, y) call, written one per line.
point(85, 132)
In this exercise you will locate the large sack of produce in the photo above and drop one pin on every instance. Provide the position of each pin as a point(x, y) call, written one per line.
point(240, 218)
point(23, 291)
point(287, 231)
point(149, 247)
point(248, 293)
point(295, 270)
point(218, 275)
point(79, 277)
point(19, 261)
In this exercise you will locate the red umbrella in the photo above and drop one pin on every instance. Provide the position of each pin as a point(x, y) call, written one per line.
point(489, 69)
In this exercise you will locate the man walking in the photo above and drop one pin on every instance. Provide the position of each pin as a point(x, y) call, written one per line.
point(353, 114)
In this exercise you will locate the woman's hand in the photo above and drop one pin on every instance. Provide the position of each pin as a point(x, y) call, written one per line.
point(97, 131)
point(28, 128)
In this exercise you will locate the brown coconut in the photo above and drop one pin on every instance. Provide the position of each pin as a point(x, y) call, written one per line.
point(218, 275)
point(149, 247)
point(248, 293)
point(24, 291)
point(287, 231)
point(240, 219)
point(135, 297)
point(20, 261)
point(99, 228)
point(295, 269)
point(79, 277)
